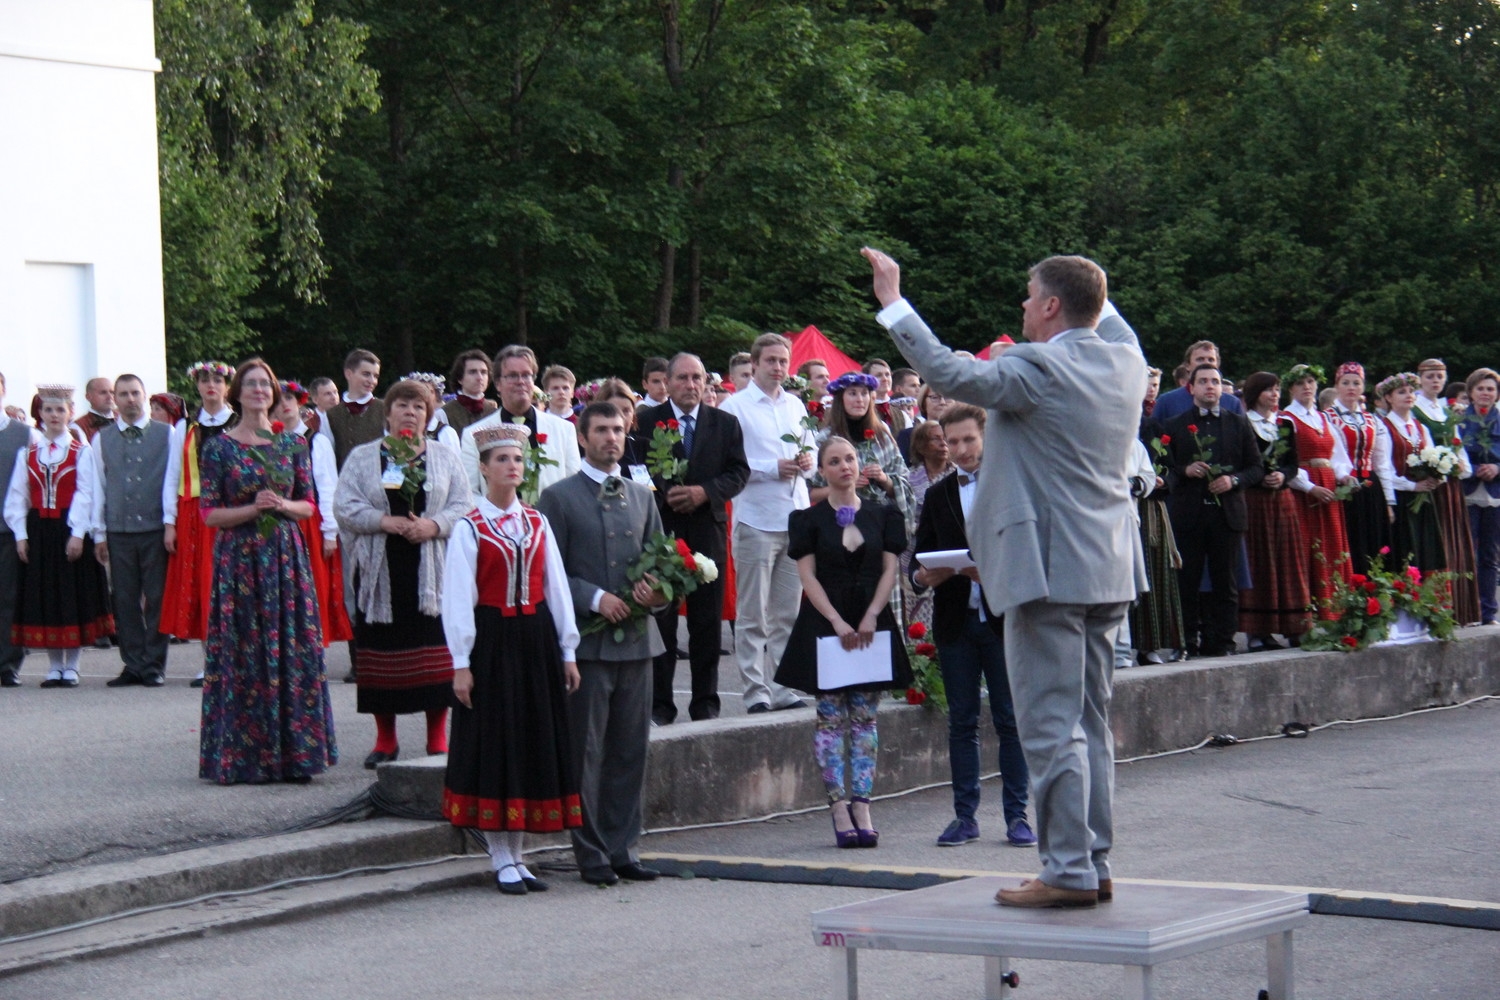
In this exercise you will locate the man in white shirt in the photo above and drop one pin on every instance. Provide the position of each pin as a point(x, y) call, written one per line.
point(14, 435)
point(515, 373)
point(768, 590)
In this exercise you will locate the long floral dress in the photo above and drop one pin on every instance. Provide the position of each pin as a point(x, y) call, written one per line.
point(266, 710)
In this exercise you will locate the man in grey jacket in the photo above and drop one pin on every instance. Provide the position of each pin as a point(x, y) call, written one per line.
point(600, 522)
point(1054, 537)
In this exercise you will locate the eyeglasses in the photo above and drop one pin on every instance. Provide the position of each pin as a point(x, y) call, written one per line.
point(518, 377)
point(256, 383)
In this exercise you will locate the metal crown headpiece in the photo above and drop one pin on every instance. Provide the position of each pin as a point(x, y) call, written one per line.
point(502, 436)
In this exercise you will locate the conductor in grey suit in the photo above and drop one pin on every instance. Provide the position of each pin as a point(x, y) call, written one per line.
point(1054, 537)
point(600, 522)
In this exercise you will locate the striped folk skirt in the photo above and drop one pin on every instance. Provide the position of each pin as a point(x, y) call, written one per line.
point(1156, 616)
point(1327, 551)
point(1279, 599)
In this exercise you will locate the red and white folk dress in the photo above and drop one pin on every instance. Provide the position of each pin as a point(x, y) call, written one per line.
point(1322, 462)
point(1365, 519)
point(190, 568)
point(327, 571)
point(508, 616)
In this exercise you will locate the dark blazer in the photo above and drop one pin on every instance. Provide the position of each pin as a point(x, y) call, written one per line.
point(942, 527)
point(717, 464)
point(1235, 446)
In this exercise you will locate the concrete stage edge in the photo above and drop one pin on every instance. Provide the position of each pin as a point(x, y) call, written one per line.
point(738, 768)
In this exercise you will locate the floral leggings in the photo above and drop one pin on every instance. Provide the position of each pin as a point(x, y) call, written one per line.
point(854, 712)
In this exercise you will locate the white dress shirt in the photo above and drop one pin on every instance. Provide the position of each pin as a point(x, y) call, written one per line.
point(1318, 421)
point(174, 459)
point(461, 584)
point(98, 513)
point(51, 451)
point(561, 446)
point(1418, 436)
point(1435, 410)
point(968, 484)
point(325, 474)
point(767, 500)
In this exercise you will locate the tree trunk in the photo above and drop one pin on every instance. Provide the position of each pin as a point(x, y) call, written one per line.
point(518, 245)
point(695, 284)
point(671, 58)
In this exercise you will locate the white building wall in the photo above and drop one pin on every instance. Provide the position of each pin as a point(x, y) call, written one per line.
point(80, 223)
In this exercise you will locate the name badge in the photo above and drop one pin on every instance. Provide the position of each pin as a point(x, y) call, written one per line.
point(393, 476)
point(642, 475)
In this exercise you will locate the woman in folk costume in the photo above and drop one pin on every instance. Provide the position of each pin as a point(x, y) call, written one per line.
point(1156, 615)
point(397, 502)
point(1322, 466)
point(1480, 430)
point(1432, 534)
point(1365, 519)
point(321, 531)
point(64, 597)
point(1279, 599)
point(266, 711)
point(190, 542)
point(508, 616)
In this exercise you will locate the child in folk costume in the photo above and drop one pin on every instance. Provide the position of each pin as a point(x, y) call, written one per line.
point(64, 597)
point(190, 542)
point(508, 615)
point(322, 529)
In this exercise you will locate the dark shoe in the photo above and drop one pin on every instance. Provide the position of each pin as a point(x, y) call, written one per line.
point(660, 719)
point(516, 888)
point(637, 872)
point(157, 680)
point(759, 708)
point(1487, 621)
point(533, 884)
point(102, 642)
point(380, 757)
point(598, 876)
point(126, 679)
point(172, 640)
point(799, 703)
point(351, 677)
point(843, 838)
point(52, 682)
point(1106, 889)
point(196, 682)
point(69, 679)
point(959, 832)
point(867, 837)
point(9, 679)
point(297, 779)
point(1018, 834)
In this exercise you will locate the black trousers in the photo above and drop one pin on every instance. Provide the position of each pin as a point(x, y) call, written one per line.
point(704, 610)
point(10, 593)
point(1203, 535)
point(137, 577)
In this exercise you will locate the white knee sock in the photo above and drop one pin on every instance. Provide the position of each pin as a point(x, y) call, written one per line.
point(55, 664)
point(517, 838)
point(501, 857)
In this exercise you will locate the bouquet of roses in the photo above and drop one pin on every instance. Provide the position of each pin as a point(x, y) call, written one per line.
point(660, 461)
point(674, 571)
point(927, 678)
point(1436, 461)
point(402, 447)
point(278, 474)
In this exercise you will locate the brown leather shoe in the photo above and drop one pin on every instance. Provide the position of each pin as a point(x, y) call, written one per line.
point(1106, 889)
point(1036, 894)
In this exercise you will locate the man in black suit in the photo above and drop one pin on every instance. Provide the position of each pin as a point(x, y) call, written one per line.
point(1212, 455)
point(692, 508)
point(969, 642)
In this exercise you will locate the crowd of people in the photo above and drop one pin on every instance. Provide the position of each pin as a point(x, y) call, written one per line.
point(466, 545)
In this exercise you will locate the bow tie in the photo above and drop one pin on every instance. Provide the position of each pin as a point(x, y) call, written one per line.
point(355, 409)
point(133, 433)
point(474, 406)
point(1208, 413)
point(964, 479)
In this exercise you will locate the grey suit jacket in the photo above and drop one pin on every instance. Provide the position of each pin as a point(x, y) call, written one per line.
point(598, 540)
point(1053, 519)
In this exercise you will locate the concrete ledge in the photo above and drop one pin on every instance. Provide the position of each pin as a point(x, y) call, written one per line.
point(99, 890)
point(736, 768)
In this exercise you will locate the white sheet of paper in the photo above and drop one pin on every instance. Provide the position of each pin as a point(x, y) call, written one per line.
point(945, 559)
point(839, 667)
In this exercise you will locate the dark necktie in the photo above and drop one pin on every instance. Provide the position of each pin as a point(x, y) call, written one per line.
point(355, 409)
point(687, 434)
point(133, 433)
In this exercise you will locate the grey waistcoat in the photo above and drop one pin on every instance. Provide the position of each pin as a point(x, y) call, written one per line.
point(15, 437)
point(133, 474)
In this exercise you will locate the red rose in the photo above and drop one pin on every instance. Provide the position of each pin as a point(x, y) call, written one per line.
point(926, 649)
point(277, 427)
point(661, 425)
point(917, 630)
point(1385, 550)
point(869, 434)
point(1372, 606)
point(672, 425)
point(1400, 586)
point(690, 564)
point(683, 550)
point(1350, 641)
point(541, 439)
point(1371, 586)
point(915, 697)
point(407, 434)
point(1192, 428)
point(1166, 439)
point(1358, 579)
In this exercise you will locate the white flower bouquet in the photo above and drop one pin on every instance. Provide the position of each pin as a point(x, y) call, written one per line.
point(1436, 461)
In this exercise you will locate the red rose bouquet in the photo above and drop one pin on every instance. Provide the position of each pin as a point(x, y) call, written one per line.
point(674, 571)
point(660, 459)
point(927, 678)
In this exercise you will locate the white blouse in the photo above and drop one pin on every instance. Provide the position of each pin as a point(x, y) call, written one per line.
point(1318, 421)
point(51, 451)
point(1418, 436)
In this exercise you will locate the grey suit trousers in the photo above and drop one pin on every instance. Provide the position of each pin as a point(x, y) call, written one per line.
point(137, 577)
point(610, 716)
point(1060, 659)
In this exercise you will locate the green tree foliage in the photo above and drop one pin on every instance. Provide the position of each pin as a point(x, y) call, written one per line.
point(245, 109)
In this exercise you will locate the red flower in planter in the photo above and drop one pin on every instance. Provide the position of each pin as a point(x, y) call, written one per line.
point(1358, 580)
point(1350, 641)
point(1371, 586)
point(915, 697)
point(1372, 606)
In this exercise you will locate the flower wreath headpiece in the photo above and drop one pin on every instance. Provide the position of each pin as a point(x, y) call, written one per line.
point(1396, 381)
point(1299, 372)
point(436, 381)
point(850, 379)
point(210, 368)
point(293, 388)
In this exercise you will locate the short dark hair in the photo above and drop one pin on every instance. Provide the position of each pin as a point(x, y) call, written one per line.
point(409, 388)
point(1078, 283)
point(594, 411)
point(959, 412)
point(652, 366)
point(1193, 375)
point(901, 373)
point(1256, 384)
point(319, 382)
point(360, 356)
point(739, 358)
point(1199, 345)
point(806, 366)
point(683, 356)
point(461, 363)
point(876, 361)
point(127, 377)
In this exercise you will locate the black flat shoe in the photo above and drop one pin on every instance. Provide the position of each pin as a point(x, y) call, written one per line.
point(637, 872)
point(378, 757)
point(297, 779)
point(196, 682)
point(124, 680)
point(51, 682)
point(516, 888)
point(534, 884)
point(598, 876)
point(9, 679)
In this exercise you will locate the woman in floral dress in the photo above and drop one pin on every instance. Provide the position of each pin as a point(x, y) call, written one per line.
point(266, 713)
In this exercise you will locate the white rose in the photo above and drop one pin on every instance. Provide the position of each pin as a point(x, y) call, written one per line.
point(706, 567)
point(1413, 460)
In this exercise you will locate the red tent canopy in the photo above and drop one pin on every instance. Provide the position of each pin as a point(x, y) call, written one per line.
point(810, 343)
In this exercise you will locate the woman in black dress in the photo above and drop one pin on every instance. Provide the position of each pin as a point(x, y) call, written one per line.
point(847, 554)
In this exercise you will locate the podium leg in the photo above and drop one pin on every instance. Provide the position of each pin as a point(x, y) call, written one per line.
point(1138, 983)
point(1279, 981)
point(845, 964)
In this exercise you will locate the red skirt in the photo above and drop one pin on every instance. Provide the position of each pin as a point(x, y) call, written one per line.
point(1327, 542)
point(1279, 600)
point(328, 583)
point(190, 575)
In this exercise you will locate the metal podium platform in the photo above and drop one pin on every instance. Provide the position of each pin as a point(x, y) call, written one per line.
point(1144, 926)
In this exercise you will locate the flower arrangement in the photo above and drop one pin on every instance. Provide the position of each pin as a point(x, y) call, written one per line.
point(402, 447)
point(1367, 604)
point(927, 678)
point(279, 475)
point(675, 571)
point(796, 385)
point(660, 460)
point(1436, 461)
